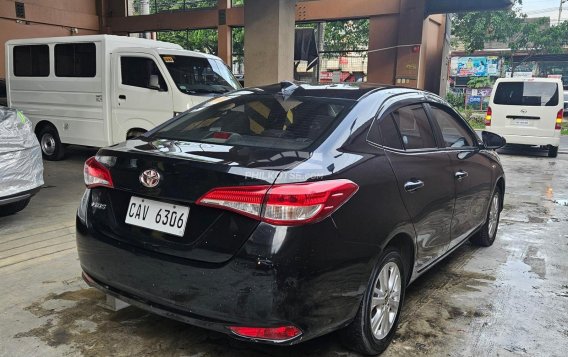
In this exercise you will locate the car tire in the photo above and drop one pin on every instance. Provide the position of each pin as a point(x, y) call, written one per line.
point(368, 333)
point(51, 147)
point(486, 235)
point(553, 151)
point(12, 208)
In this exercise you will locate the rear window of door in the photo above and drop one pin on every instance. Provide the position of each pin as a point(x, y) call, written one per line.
point(536, 94)
point(414, 127)
point(454, 134)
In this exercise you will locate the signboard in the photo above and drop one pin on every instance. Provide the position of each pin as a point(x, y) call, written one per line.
point(475, 66)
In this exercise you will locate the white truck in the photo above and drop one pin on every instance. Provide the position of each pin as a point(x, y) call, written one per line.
point(100, 90)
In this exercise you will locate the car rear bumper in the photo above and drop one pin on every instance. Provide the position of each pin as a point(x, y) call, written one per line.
point(250, 290)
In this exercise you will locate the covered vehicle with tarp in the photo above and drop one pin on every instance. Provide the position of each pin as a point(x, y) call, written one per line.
point(21, 166)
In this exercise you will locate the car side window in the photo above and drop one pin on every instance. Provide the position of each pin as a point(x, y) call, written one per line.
point(414, 128)
point(140, 71)
point(453, 133)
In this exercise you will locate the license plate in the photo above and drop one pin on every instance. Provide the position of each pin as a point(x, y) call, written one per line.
point(159, 216)
point(521, 122)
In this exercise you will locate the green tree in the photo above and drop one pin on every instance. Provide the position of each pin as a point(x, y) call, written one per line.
point(346, 35)
point(523, 36)
point(196, 40)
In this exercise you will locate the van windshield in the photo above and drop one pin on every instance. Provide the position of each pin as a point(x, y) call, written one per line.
point(194, 75)
point(535, 94)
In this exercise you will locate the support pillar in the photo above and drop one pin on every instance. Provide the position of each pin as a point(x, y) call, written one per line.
point(225, 33)
point(395, 46)
point(269, 41)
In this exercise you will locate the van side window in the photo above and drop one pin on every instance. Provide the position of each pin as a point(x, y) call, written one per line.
point(75, 60)
point(138, 72)
point(454, 134)
point(414, 127)
point(31, 61)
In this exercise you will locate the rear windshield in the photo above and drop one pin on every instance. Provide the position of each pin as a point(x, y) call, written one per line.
point(267, 121)
point(536, 94)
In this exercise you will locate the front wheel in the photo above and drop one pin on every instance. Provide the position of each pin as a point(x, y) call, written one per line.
point(486, 235)
point(375, 324)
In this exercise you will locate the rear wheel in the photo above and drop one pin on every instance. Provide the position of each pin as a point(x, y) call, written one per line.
point(51, 146)
point(375, 324)
point(13, 207)
point(553, 151)
point(486, 236)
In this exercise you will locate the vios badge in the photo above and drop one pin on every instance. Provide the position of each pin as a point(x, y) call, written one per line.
point(150, 178)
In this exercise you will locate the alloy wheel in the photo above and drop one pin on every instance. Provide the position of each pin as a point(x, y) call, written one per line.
point(385, 300)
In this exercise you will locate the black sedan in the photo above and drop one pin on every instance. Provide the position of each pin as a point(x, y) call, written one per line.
point(281, 213)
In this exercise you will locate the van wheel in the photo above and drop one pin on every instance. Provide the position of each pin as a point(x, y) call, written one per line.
point(51, 146)
point(375, 324)
point(553, 151)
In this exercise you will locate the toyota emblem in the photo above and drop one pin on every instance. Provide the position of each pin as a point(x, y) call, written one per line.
point(150, 178)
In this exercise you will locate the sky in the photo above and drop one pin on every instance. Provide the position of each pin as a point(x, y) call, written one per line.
point(536, 8)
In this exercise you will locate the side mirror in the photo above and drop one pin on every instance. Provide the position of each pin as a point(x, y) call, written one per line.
point(154, 82)
point(493, 141)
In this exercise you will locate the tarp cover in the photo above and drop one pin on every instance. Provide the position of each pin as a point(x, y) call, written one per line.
point(21, 166)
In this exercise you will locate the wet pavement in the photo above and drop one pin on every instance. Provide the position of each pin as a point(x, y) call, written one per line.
point(507, 300)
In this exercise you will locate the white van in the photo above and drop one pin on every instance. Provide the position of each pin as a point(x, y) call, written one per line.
point(527, 111)
point(100, 90)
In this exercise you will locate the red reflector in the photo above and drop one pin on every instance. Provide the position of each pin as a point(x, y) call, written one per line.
point(96, 174)
point(559, 118)
point(282, 333)
point(286, 205)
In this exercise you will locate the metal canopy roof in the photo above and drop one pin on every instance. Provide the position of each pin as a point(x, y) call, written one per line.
point(455, 6)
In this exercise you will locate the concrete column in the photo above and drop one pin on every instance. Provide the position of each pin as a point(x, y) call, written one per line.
point(410, 54)
point(224, 37)
point(269, 41)
point(383, 42)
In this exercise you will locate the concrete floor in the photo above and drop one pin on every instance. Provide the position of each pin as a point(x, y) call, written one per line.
point(507, 300)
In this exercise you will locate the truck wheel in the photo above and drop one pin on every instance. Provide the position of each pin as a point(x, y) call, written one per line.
point(12, 208)
point(51, 146)
point(553, 151)
point(375, 324)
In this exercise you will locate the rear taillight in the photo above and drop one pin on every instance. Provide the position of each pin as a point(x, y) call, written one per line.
point(285, 205)
point(96, 174)
point(559, 118)
point(488, 116)
point(275, 334)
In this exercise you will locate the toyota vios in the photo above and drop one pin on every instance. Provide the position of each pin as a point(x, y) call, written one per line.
point(281, 213)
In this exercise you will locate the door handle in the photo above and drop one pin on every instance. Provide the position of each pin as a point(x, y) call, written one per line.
point(413, 186)
point(122, 96)
point(460, 175)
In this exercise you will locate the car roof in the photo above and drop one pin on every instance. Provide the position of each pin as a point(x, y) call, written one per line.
point(350, 91)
